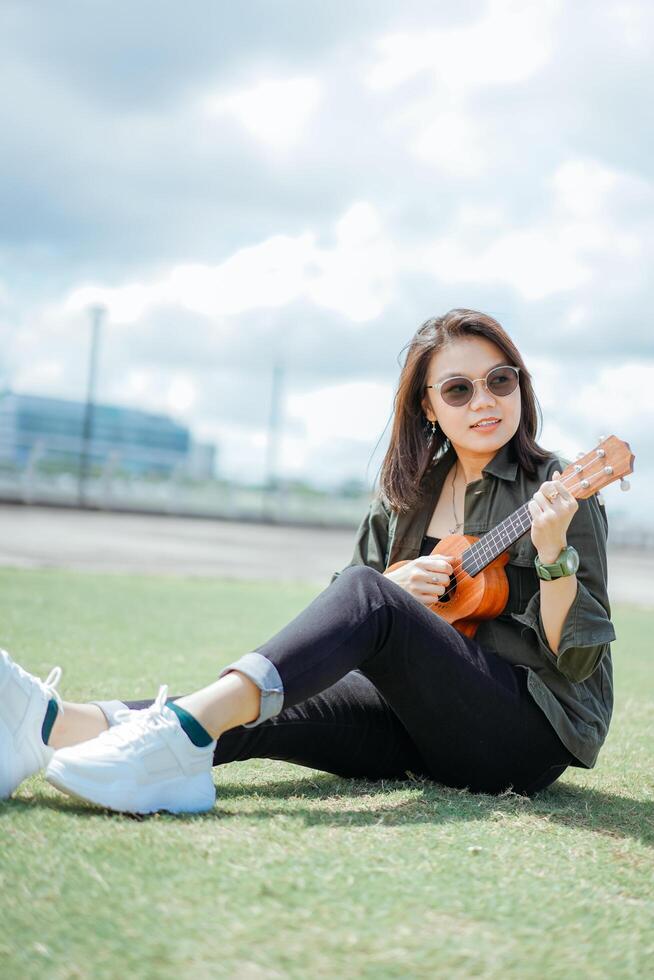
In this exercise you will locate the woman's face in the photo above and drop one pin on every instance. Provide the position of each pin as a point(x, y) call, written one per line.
point(472, 357)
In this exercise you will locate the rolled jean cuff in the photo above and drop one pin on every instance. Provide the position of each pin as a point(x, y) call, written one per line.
point(109, 709)
point(264, 674)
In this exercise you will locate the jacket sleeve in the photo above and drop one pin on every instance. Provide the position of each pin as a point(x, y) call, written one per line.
point(371, 542)
point(587, 629)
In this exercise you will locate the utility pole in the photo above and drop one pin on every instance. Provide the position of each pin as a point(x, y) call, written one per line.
point(97, 314)
point(272, 446)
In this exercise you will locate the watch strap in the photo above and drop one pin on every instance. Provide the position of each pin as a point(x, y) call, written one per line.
point(567, 563)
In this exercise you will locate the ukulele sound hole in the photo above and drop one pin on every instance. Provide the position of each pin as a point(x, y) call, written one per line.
point(450, 591)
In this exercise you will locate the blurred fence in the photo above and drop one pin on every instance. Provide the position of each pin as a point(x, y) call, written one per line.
point(42, 480)
point(109, 487)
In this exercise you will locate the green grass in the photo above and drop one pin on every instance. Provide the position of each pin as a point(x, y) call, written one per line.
point(300, 873)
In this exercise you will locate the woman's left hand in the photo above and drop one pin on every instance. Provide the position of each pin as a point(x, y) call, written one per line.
point(551, 518)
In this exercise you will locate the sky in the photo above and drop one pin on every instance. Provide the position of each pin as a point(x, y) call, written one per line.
point(305, 183)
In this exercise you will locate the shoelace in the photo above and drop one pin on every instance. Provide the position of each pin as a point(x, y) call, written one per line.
point(134, 725)
point(48, 686)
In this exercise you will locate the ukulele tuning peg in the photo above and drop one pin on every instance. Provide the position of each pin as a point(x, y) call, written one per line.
point(624, 484)
point(601, 439)
point(580, 455)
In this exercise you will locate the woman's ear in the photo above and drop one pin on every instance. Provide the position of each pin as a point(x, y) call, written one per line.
point(427, 410)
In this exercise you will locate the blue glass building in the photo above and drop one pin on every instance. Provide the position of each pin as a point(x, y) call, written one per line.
point(136, 441)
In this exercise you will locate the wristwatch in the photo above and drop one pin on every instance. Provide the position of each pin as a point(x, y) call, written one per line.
point(566, 563)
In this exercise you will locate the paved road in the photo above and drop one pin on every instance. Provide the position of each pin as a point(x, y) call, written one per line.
point(38, 537)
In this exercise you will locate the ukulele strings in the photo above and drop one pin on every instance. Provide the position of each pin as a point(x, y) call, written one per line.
point(457, 565)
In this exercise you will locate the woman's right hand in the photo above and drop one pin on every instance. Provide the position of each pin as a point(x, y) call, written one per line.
point(425, 578)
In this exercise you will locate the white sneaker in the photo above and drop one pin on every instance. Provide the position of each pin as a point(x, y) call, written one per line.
point(144, 764)
point(23, 703)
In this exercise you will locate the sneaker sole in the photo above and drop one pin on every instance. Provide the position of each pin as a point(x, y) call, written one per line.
point(10, 776)
point(19, 757)
point(192, 794)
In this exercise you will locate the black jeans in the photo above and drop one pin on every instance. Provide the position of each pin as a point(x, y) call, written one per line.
point(377, 686)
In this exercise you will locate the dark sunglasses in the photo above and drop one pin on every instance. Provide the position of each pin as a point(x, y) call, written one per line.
point(458, 391)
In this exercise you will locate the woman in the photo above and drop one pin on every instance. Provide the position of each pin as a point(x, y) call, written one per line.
point(367, 681)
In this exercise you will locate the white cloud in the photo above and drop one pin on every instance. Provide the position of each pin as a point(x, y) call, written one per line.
point(451, 140)
point(511, 42)
point(484, 215)
point(354, 277)
point(182, 394)
point(558, 252)
point(535, 262)
point(241, 449)
point(577, 317)
point(126, 304)
point(325, 435)
point(581, 187)
point(137, 383)
point(154, 388)
point(274, 111)
point(621, 396)
point(557, 437)
point(581, 403)
point(39, 376)
point(633, 23)
point(508, 44)
point(268, 274)
point(586, 401)
point(355, 410)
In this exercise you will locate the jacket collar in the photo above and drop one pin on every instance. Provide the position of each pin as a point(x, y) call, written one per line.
point(504, 463)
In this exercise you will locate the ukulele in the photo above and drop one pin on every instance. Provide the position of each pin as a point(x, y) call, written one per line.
point(478, 588)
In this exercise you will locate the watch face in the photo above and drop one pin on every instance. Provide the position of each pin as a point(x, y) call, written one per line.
point(571, 562)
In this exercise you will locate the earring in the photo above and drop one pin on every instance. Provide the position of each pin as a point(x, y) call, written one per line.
point(430, 434)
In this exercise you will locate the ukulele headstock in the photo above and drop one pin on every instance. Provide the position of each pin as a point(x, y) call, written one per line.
point(609, 461)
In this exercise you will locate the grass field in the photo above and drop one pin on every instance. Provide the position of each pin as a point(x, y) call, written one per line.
point(299, 873)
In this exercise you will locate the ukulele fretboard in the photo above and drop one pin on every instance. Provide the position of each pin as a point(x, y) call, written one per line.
point(497, 540)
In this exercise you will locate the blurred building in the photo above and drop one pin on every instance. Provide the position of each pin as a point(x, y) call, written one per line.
point(128, 439)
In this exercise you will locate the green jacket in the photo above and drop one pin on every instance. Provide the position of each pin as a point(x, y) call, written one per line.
point(575, 688)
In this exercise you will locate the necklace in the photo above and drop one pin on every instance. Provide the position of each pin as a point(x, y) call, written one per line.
point(457, 523)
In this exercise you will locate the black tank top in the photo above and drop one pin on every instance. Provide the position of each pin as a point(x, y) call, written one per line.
point(428, 545)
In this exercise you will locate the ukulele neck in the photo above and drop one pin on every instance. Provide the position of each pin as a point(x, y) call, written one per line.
point(489, 547)
point(609, 461)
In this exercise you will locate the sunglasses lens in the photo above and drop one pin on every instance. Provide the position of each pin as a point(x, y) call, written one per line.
point(502, 381)
point(457, 391)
